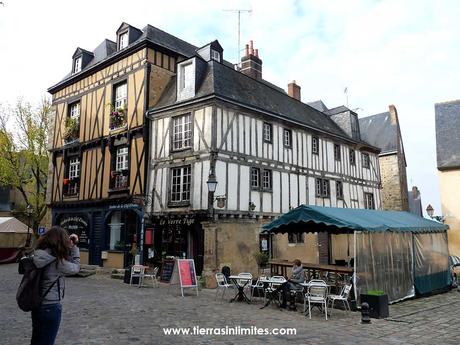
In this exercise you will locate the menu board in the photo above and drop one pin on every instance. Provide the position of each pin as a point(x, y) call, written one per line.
point(166, 270)
point(187, 273)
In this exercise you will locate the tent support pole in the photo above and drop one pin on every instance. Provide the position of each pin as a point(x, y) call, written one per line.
point(354, 267)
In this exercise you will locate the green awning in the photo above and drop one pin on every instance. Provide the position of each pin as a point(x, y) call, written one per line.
point(343, 220)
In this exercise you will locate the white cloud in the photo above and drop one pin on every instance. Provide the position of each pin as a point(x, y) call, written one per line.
point(385, 52)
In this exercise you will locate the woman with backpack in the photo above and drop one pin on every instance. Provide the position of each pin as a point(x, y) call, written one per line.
point(58, 255)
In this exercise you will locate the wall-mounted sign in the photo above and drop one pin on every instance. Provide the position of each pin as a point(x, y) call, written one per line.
point(76, 224)
point(41, 230)
point(177, 221)
point(123, 206)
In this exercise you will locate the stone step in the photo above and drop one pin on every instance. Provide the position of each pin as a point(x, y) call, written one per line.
point(117, 276)
point(85, 273)
point(89, 267)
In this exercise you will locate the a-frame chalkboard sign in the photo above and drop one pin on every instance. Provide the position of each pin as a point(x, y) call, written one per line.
point(184, 274)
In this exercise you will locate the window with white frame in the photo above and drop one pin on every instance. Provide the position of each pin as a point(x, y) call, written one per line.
point(322, 188)
point(74, 168)
point(315, 145)
point(186, 76)
point(337, 153)
point(287, 137)
point(121, 96)
point(268, 130)
point(77, 64)
point(180, 184)
point(123, 40)
point(267, 180)
point(215, 55)
point(182, 132)
point(122, 159)
point(295, 238)
point(339, 189)
point(366, 160)
point(369, 201)
point(75, 111)
point(255, 178)
point(352, 157)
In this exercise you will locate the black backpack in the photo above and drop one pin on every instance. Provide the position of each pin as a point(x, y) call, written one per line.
point(29, 294)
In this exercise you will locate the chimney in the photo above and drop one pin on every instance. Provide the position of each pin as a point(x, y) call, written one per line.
point(251, 64)
point(294, 90)
point(415, 192)
point(393, 114)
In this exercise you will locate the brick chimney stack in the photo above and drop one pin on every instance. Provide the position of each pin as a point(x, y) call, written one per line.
point(251, 64)
point(294, 90)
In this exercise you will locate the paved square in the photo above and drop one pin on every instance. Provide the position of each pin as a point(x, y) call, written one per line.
point(99, 310)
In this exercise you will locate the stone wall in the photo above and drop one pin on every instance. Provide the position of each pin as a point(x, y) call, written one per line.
point(394, 183)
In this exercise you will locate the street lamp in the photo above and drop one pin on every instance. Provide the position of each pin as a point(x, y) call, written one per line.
point(29, 211)
point(212, 186)
point(430, 212)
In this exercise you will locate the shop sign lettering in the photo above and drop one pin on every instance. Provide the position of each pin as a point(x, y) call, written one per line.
point(178, 221)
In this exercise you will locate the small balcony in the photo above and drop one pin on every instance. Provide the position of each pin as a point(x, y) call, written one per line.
point(72, 130)
point(119, 180)
point(117, 119)
point(71, 187)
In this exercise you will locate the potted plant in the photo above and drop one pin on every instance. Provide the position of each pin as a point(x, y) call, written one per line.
point(378, 303)
point(72, 128)
point(117, 117)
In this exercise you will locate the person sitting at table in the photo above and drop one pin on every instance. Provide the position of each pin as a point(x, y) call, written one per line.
point(297, 276)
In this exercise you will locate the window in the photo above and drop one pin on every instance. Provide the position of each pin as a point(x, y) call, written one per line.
point(123, 40)
point(287, 138)
point(294, 238)
point(267, 180)
point(122, 159)
point(180, 184)
point(369, 201)
point(366, 162)
point(352, 157)
point(74, 112)
point(215, 55)
point(121, 96)
point(268, 130)
point(255, 178)
point(186, 76)
point(337, 153)
point(322, 188)
point(315, 145)
point(182, 132)
point(339, 189)
point(74, 168)
point(77, 65)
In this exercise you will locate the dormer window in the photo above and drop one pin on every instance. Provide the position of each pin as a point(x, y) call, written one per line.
point(123, 40)
point(186, 80)
point(215, 55)
point(77, 64)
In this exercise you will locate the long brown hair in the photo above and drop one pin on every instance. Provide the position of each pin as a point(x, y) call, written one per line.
point(56, 239)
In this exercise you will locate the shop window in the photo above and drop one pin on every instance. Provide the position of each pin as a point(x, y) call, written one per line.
point(180, 185)
point(296, 238)
point(182, 132)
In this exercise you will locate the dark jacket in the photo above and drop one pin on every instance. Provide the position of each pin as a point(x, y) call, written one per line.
point(55, 272)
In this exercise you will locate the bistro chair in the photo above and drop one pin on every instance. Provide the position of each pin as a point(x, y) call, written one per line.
point(276, 282)
point(221, 284)
point(259, 286)
point(152, 276)
point(137, 271)
point(317, 294)
point(244, 282)
point(342, 297)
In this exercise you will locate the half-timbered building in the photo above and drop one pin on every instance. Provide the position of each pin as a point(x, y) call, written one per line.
point(268, 152)
point(97, 172)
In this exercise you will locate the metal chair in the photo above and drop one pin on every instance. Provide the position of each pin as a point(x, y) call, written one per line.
point(342, 297)
point(317, 294)
point(244, 282)
point(221, 284)
point(137, 271)
point(152, 276)
point(259, 286)
point(276, 282)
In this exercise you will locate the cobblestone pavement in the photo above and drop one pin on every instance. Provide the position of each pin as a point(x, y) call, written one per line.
point(99, 310)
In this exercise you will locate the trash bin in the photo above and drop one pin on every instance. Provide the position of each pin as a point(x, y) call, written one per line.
point(127, 276)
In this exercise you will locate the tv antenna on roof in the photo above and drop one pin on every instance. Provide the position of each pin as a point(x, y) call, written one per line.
point(239, 11)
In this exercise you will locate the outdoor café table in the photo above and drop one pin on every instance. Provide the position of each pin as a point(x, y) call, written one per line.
point(240, 295)
point(269, 280)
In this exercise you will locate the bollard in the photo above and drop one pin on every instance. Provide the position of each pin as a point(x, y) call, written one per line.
point(365, 318)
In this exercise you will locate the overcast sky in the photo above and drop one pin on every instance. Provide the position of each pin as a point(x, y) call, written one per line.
point(385, 52)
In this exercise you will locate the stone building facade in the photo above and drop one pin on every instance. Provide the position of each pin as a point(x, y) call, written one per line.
point(383, 130)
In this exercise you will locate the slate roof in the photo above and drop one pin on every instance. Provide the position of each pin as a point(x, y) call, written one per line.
point(377, 130)
point(448, 134)
point(220, 80)
point(318, 105)
point(337, 110)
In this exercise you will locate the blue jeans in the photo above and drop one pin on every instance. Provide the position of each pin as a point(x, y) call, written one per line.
point(45, 324)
